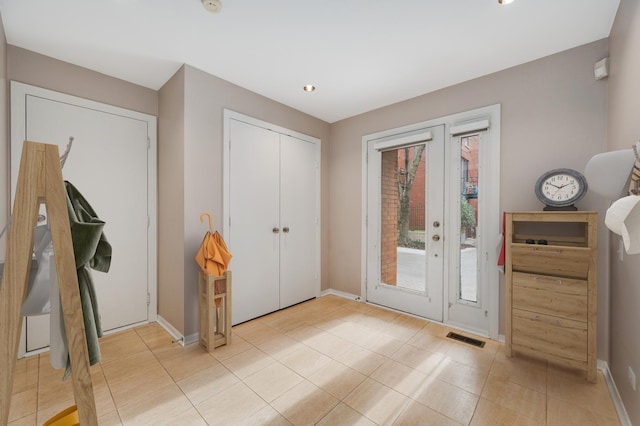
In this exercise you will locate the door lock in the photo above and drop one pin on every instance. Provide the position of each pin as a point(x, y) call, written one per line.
point(436, 237)
point(436, 224)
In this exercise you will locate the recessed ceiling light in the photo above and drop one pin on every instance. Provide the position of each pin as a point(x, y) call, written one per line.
point(212, 5)
point(309, 88)
point(505, 1)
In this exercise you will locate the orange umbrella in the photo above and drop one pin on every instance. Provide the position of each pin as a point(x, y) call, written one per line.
point(213, 255)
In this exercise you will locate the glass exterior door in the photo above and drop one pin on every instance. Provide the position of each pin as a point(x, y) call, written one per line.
point(405, 195)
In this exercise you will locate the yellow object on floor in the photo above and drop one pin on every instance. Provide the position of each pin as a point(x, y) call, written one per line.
point(68, 417)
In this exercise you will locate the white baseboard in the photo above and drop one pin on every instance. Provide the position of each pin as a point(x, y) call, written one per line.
point(177, 336)
point(340, 294)
point(613, 391)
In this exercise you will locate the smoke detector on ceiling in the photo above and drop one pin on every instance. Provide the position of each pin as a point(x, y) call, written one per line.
point(212, 5)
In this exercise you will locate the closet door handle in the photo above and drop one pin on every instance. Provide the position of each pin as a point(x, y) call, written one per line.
point(285, 229)
point(275, 230)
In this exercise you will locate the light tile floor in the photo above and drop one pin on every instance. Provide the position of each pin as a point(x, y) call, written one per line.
point(329, 361)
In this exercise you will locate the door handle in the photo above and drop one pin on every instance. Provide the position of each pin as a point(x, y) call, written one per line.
point(275, 230)
point(436, 237)
point(285, 229)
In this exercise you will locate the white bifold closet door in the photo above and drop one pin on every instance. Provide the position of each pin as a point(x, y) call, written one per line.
point(273, 230)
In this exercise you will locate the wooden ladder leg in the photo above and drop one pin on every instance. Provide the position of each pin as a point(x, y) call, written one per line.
point(16, 273)
point(55, 200)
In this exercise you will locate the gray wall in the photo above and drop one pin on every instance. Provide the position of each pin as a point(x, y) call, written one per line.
point(171, 167)
point(205, 97)
point(43, 71)
point(624, 131)
point(553, 115)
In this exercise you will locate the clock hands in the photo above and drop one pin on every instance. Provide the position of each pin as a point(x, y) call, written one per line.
point(559, 188)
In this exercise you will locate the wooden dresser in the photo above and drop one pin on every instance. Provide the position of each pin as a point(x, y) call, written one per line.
point(551, 289)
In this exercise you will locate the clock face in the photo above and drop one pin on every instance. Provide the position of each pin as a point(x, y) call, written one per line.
point(561, 187)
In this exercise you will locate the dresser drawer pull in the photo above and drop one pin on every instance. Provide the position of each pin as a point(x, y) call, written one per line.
point(547, 250)
point(549, 280)
point(549, 321)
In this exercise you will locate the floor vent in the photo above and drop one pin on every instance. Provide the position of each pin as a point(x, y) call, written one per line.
point(465, 339)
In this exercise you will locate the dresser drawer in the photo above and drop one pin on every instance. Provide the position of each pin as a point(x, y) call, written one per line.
point(557, 261)
point(560, 297)
point(562, 338)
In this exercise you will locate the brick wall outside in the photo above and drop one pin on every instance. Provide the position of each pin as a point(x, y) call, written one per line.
point(389, 218)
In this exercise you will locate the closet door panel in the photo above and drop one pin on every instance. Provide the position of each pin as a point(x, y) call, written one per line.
point(108, 163)
point(254, 205)
point(299, 221)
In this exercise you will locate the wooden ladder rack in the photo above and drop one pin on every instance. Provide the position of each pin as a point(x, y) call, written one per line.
point(40, 181)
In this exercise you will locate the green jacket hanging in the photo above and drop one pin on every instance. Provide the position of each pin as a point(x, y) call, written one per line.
point(91, 251)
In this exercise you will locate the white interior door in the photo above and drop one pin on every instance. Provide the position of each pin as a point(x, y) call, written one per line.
point(405, 278)
point(298, 221)
point(111, 161)
point(254, 209)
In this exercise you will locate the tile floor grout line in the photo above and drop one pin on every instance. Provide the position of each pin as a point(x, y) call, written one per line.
point(111, 394)
point(155, 356)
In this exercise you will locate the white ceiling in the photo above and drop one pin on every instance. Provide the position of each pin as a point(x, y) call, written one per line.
point(360, 54)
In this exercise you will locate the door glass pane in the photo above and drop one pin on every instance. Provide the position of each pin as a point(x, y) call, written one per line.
point(468, 282)
point(402, 255)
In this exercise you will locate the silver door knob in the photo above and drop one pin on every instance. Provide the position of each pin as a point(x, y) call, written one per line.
point(436, 237)
point(285, 229)
point(275, 230)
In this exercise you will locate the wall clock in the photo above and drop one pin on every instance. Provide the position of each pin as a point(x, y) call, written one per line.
point(560, 189)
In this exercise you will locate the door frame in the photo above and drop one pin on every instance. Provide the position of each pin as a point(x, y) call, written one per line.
point(454, 124)
point(18, 96)
point(229, 115)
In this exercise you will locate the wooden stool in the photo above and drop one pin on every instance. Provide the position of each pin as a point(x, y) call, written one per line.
point(214, 309)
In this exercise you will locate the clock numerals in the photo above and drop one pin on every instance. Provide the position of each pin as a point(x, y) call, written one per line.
point(560, 188)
